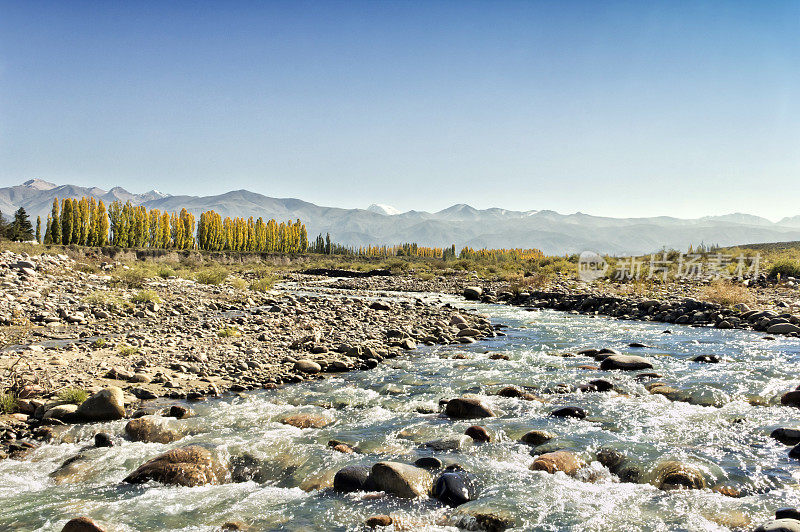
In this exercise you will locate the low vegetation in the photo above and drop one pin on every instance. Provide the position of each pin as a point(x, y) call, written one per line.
point(726, 293)
point(73, 395)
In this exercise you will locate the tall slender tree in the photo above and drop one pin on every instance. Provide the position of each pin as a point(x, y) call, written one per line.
point(39, 229)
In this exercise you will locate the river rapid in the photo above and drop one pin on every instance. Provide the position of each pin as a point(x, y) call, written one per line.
point(391, 411)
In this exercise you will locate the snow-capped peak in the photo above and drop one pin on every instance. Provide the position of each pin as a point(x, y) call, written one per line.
point(387, 210)
point(39, 184)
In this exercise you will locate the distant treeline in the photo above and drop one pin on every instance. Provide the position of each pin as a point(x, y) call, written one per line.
point(87, 222)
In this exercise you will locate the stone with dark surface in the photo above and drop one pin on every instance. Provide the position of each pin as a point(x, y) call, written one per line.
point(184, 466)
point(467, 408)
point(625, 362)
point(569, 411)
point(455, 488)
point(352, 478)
point(82, 524)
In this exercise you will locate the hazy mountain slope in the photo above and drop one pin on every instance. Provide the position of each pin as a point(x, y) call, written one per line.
point(459, 224)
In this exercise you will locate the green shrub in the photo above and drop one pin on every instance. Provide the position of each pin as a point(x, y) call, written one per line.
point(99, 343)
point(133, 277)
point(73, 395)
point(785, 268)
point(8, 402)
point(213, 276)
point(146, 296)
point(238, 283)
point(227, 332)
point(263, 285)
point(127, 350)
point(165, 272)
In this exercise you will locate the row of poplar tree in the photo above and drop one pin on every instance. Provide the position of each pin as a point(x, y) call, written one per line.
point(87, 222)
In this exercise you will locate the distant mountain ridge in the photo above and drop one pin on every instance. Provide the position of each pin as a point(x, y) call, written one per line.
point(459, 224)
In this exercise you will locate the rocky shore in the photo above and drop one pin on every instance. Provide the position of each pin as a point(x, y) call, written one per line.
point(179, 339)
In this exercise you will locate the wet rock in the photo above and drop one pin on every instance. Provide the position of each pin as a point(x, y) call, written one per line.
point(378, 520)
point(537, 437)
point(780, 525)
point(379, 305)
point(75, 469)
point(429, 462)
point(467, 408)
point(105, 405)
point(569, 411)
point(402, 480)
point(82, 524)
point(179, 412)
point(707, 359)
point(103, 439)
point(307, 366)
point(787, 436)
point(787, 513)
point(352, 478)
point(618, 464)
point(557, 461)
point(184, 466)
point(455, 443)
point(677, 475)
point(306, 421)
point(783, 328)
point(234, 525)
point(473, 293)
point(148, 430)
point(601, 385)
point(795, 452)
point(625, 362)
point(478, 434)
point(791, 398)
point(455, 488)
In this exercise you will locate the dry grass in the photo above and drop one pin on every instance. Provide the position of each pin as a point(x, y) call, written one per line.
point(726, 293)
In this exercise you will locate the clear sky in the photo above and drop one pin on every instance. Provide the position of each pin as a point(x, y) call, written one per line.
point(610, 108)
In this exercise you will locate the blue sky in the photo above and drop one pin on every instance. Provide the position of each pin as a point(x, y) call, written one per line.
point(609, 108)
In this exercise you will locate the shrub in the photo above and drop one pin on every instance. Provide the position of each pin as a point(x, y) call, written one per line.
point(8, 402)
point(128, 350)
point(133, 277)
point(211, 276)
point(165, 272)
point(99, 343)
point(228, 332)
point(785, 268)
point(73, 395)
point(111, 300)
point(262, 285)
point(238, 283)
point(146, 296)
point(726, 293)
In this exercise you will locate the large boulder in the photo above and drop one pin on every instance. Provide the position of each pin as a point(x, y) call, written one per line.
point(402, 480)
point(105, 405)
point(352, 478)
point(306, 421)
point(557, 461)
point(791, 398)
point(677, 475)
point(149, 430)
point(787, 435)
point(780, 525)
point(305, 365)
point(82, 524)
point(536, 437)
point(473, 293)
point(783, 328)
point(184, 466)
point(467, 408)
point(455, 488)
point(625, 362)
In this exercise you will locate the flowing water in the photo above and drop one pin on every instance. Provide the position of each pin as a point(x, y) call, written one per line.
point(382, 411)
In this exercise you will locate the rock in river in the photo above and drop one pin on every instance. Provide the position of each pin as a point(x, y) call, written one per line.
point(467, 408)
point(149, 430)
point(557, 461)
point(105, 405)
point(625, 362)
point(402, 480)
point(184, 466)
point(352, 478)
point(455, 488)
point(677, 475)
point(82, 524)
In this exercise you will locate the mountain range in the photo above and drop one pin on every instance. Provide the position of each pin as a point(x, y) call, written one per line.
point(460, 224)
